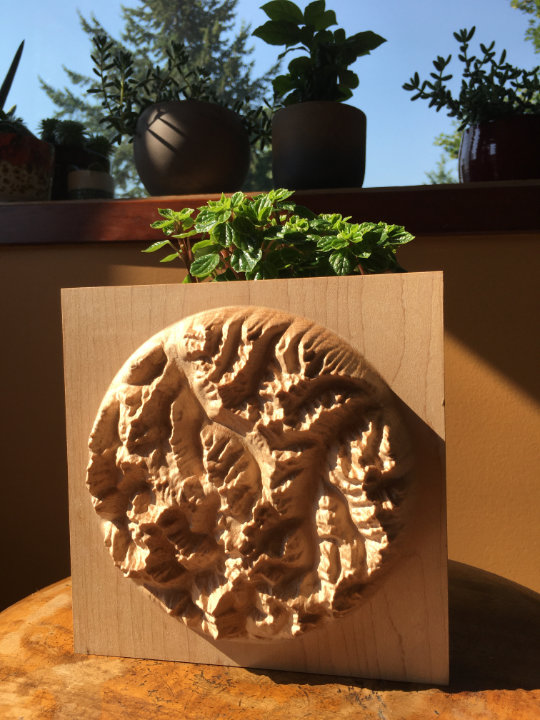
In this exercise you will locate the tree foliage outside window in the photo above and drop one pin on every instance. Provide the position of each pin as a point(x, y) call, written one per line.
point(210, 31)
point(531, 7)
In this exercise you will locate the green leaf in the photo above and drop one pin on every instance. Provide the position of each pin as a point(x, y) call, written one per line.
point(203, 266)
point(208, 217)
point(317, 16)
point(166, 213)
point(189, 233)
point(284, 257)
point(279, 32)
point(156, 246)
point(243, 227)
point(237, 199)
point(170, 258)
point(160, 224)
point(225, 275)
point(224, 235)
point(283, 10)
point(314, 11)
point(300, 66)
point(341, 262)
point(262, 205)
point(363, 42)
point(326, 20)
point(282, 84)
point(280, 194)
point(349, 79)
point(183, 215)
point(331, 242)
point(361, 251)
point(203, 247)
point(243, 261)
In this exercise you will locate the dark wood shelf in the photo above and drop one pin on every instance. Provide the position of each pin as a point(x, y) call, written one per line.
point(423, 210)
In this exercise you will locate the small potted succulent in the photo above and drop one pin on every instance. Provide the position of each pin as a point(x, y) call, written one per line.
point(318, 141)
point(184, 141)
point(26, 163)
point(81, 168)
point(267, 236)
point(498, 108)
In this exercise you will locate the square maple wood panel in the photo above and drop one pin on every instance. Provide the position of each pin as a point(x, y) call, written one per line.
point(400, 632)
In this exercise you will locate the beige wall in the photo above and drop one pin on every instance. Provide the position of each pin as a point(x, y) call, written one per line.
point(493, 423)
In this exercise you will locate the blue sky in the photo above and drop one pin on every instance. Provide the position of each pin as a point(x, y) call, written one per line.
point(400, 146)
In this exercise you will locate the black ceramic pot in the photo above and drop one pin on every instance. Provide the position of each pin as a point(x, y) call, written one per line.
point(318, 145)
point(187, 146)
point(504, 149)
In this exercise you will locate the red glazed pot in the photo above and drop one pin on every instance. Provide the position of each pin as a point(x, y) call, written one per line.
point(188, 146)
point(504, 149)
point(26, 167)
point(318, 145)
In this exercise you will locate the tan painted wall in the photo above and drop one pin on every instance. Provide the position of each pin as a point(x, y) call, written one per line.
point(493, 424)
point(492, 398)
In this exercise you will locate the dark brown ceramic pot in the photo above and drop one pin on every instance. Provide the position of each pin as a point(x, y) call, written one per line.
point(504, 149)
point(318, 145)
point(188, 146)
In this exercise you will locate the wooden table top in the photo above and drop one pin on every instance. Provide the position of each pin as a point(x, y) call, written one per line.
point(495, 670)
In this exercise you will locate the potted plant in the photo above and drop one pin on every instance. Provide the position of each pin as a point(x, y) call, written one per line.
point(26, 163)
point(184, 141)
point(81, 162)
point(317, 140)
point(267, 236)
point(498, 108)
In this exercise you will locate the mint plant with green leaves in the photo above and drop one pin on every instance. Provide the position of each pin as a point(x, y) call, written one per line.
point(239, 237)
point(490, 87)
point(322, 72)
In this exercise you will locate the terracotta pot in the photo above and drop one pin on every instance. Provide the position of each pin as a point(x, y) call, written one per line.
point(504, 149)
point(188, 146)
point(26, 167)
point(318, 145)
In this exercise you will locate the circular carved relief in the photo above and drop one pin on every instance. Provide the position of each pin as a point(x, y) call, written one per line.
point(249, 468)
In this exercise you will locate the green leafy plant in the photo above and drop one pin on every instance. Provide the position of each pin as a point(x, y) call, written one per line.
point(71, 133)
point(125, 93)
point(322, 73)
point(86, 151)
point(267, 236)
point(490, 87)
point(9, 122)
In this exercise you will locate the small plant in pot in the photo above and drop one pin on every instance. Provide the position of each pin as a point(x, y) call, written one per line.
point(318, 141)
point(268, 236)
point(498, 108)
point(82, 164)
point(184, 141)
point(26, 163)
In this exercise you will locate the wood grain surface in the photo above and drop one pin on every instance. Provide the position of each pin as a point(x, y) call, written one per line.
point(396, 323)
point(494, 671)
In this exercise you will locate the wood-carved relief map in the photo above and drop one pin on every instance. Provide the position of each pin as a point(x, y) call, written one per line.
point(249, 469)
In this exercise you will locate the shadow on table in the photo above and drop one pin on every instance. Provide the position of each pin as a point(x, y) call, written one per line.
point(494, 639)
